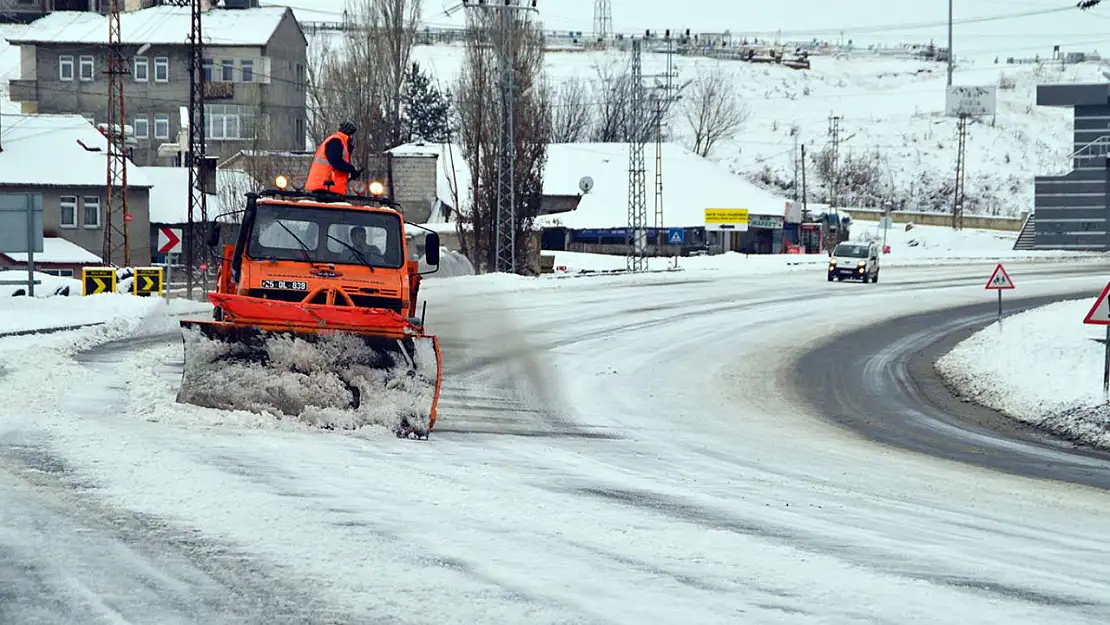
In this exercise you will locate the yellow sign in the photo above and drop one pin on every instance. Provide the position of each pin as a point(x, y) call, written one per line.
point(726, 219)
point(97, 280)
point(726, 215)
point(148, 281)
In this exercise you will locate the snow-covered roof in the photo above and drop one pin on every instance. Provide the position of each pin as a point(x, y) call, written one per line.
point(158, 25)
point(691, 184)
point(56, 250)
point(169, 198)
point(47, 150)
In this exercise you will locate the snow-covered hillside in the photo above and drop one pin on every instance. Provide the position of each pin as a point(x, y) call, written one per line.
point(890, 108)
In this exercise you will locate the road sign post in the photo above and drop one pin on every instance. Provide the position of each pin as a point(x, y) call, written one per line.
point(999, 281)
point(148, 281)
point(675, 238)
point(97, 280)
point(1099, 315)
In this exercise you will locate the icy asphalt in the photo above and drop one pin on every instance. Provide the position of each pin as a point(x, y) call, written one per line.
point(614, 450)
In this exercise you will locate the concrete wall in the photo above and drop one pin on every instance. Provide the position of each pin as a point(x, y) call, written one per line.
point(983, 222)
point(92, 238)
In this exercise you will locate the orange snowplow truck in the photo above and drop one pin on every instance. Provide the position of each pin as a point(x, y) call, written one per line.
point(316, 316)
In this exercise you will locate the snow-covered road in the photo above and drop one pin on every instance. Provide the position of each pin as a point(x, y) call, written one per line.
point(613, 450)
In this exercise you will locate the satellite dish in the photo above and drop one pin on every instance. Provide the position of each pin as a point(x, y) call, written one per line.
point(585, 184)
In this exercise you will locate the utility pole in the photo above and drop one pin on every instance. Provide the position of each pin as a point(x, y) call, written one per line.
point(795, 135)
point(603, 19)
point(961, 174)
point(636, 237)
point(834, 199)
point(951, 58)
point(197, 253)
point(506, 232)
point(805, 195)
point(117, 244)
point(662, 106)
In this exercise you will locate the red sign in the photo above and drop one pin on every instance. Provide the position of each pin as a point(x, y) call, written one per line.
point(169, 239)
point(999, 280)
point(1099, 314)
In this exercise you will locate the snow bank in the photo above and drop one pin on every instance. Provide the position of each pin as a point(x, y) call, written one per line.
point(1042, 367)
point(49, 286)
point(26, 313)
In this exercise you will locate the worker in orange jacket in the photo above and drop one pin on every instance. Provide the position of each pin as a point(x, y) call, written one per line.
point(331, 166)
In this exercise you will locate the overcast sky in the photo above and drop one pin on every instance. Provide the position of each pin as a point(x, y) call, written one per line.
point(864, 21)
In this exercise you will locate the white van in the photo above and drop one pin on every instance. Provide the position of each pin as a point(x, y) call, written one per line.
point(855, 261)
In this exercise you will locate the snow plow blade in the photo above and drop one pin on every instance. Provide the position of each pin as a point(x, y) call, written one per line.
point(326, 374)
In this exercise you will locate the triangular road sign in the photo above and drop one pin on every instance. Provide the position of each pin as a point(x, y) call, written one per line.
point(1099, 314)
point(999, 279)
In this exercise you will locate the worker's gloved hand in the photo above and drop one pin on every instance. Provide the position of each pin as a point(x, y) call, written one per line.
point(356, 175)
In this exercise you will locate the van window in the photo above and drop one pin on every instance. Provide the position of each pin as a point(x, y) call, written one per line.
point(846, 250)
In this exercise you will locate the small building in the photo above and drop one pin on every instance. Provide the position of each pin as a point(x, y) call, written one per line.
point(63, 160)
point(58, 257)
point(691, 184)
point(255, 74)
point(1070, 211)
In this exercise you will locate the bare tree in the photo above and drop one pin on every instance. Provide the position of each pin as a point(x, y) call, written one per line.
point(614, 107)
point(363, 77)
point(572, 116)
point(713, 109)
point(478, 105)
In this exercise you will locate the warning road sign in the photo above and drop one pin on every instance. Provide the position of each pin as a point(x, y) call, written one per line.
point(999, 279)
point(169, 240)
point(675, 236)
point(97, 280)
point(148, 281)
point(1099, 315)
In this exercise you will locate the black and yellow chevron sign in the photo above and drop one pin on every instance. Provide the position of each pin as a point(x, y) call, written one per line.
point(148, 281)
point(97, 280)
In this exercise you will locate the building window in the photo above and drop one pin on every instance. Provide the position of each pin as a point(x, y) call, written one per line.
point(208, 70)
point(227, 71)
point(161, 69)
point(302, 77)
point(230, 122)
point(65, 67)
point(161, 126)
point(246, 71)
point(142, 127)
point(140, 69)
point(61, 273)
point(301, 132)
point(67, 205)
point(87, 68)
point(92, 211)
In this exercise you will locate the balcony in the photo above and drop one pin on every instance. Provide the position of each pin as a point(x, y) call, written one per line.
point(23, 91)
point(215, 90)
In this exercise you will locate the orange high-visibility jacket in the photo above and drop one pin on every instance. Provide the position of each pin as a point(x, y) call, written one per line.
point(322, 172)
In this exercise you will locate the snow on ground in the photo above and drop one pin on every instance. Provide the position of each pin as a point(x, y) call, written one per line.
point(19, 314)
point(1043, 367)
point(49, 285)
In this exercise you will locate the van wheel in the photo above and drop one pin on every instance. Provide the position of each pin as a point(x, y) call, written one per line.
point(875, 278)
point(864, 278)
point(830, 277)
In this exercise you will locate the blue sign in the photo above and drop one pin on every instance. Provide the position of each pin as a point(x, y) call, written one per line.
point(675, 236)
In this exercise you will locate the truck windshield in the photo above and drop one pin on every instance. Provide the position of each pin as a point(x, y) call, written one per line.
point(326, 235)
point(851, 251)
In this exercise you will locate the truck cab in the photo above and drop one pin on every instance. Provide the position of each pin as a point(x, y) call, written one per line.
point(291, 245)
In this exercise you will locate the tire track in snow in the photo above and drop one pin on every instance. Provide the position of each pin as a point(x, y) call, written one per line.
point(69, 558)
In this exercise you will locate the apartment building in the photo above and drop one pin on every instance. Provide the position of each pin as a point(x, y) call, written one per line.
point(255, 73)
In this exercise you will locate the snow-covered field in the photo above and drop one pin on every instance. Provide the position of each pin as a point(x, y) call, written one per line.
point(1043, 367)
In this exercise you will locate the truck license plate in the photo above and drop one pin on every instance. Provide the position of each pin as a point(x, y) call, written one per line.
point(292, 285)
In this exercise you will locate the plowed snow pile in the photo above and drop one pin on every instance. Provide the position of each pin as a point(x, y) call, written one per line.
point(1042, 367)
point(334, 382)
